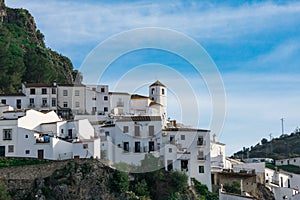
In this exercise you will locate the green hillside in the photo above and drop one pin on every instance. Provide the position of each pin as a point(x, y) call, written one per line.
point(284, 146)
point(24, 56)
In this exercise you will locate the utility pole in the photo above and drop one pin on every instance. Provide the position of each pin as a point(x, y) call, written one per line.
point(282, 128)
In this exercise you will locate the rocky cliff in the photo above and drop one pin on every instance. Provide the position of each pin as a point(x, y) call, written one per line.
point(24, 56)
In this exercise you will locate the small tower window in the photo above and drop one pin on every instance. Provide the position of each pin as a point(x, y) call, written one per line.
point(152, 91)
point(162, 91)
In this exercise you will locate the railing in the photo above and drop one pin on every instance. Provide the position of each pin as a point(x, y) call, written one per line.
point(31, 106)
point(44, 105)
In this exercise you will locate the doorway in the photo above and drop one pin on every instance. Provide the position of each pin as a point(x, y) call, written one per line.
point(40, 154)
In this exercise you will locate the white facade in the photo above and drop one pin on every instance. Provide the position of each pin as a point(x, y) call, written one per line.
point(18, 101)
point(119, 103)
point(37, 135)
point(158, 93)
point(97, 100)
point(40, 96)
point(71, 96)
point(133, 137)
point(288, 161)
point(188, 150)
point(218, 156)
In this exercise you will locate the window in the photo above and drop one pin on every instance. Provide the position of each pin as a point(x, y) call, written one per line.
point(3, 101)
point(105, 98)
point(125, 129)
point(201, 155)
point(94, 89)
point(172, 140)
point(94, 110)
point(106, 133)
point(137, 131)
point(105, 109)
point(201, 169)
point(182, 137)
point(65, 92)
point(7, 134)
point(200, 141)
point(77, 105)
point(27, 151)
point(162, 91)
point(31, 101)
point(53, 102)
point(32, 91)
point(85, 146)
point(18, 103)
point(137, 147)
point(294, 160)
point(65, 104)
point(76, 92)
point(26, 136)
point(62, 130)
point(152, 91)
point(102, 89)
point(151, 130)
point(94, 98)
point(10, 148)
point(170, 150)
point(44, 90)
point(44, 101)
point(126, 146)
point(53, 90)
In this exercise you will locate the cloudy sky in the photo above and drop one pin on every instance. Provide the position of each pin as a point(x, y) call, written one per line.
point(254, 44)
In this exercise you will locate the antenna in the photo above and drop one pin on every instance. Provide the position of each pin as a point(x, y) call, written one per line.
point(282, 128)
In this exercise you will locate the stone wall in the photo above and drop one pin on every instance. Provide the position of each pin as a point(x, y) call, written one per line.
point(23, 177)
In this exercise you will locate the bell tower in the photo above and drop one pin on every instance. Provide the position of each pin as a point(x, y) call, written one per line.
point(158, 93)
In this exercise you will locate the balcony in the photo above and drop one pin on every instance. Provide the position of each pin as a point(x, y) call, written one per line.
point(120, 104)
point(44, 105)
point(31, 106)
point(43, 139)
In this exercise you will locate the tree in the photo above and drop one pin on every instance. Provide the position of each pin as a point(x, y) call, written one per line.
point(119, 182)
point(141, 189)
point(264, 141)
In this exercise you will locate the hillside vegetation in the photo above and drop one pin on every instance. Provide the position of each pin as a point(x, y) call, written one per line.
point(285, 146)
point(24, 56)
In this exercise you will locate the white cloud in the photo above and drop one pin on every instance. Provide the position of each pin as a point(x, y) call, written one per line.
point(73, 22)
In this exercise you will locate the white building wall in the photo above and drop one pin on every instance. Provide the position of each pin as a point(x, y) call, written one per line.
point(97, 99)
point(75, 100)
point(198, 156)
point(119, 138)
point(12, 101)
point(51, 93)
point(119, 103)
point(85, 129)
point(288, 161)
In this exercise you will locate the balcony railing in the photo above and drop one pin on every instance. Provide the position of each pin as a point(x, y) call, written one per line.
point(44, 105)
point(31, 106)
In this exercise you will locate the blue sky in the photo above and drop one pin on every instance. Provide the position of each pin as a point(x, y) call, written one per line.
point(254, 44)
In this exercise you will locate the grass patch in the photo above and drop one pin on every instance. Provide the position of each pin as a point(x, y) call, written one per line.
point(9, 162)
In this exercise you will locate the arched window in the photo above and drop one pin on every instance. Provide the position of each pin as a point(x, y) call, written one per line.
point(162, 91)
point(152, 91)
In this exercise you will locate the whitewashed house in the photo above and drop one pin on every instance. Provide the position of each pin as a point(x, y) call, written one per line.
point(188, 150)
point(17, 101)
point(71, 99)
point(34, 134)
point(131, 137)
point(97, 100)
point(288, 161)
point(40, 96)
point(119, 103)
